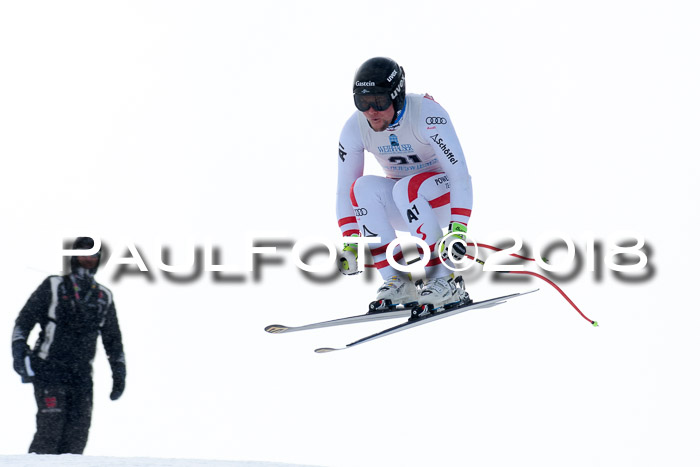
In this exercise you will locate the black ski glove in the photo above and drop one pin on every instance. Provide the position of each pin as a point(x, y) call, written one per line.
point(118, 380)
point(19, 352)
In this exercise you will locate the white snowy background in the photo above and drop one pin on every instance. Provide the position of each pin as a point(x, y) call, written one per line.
point(183, 122)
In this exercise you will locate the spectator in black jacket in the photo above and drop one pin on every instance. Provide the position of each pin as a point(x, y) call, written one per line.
point(72, 311)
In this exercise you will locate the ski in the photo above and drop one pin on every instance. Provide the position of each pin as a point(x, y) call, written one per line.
point(427, 319)
point(377, 316)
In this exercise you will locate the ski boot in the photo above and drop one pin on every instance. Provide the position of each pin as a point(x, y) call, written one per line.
point(395, 291)
point(440, 294)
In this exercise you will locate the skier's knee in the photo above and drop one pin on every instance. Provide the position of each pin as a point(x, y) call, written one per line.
point(362, 185)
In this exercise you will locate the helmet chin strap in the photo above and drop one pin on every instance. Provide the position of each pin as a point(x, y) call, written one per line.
point(398, 114)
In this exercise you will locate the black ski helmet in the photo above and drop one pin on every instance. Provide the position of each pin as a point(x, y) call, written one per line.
point(381, 75)
point(84, 243)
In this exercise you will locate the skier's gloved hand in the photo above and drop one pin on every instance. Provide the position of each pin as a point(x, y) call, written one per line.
point(455, 240)
point(118, 380)
point(347, 261)
point(20, 360)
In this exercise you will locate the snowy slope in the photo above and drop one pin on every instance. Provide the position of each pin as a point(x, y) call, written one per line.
point(33, 460)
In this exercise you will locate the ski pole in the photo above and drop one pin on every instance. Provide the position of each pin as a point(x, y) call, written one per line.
point(530, 273)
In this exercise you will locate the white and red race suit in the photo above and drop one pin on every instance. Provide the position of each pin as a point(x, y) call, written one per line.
point(427, 183)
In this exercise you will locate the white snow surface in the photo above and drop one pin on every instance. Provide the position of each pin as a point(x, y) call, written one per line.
point(72, 460)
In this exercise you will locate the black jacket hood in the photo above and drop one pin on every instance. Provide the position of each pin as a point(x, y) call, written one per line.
point(84, 243)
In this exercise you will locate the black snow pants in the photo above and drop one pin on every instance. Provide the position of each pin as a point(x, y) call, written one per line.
point(63, 417)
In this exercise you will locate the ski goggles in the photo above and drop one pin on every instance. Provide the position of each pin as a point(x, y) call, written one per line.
point(378, 102)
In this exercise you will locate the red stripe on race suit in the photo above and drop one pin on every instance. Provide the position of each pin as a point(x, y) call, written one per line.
point(346, 221)
point(440, 201)
point(352, 194)
point(416, 182)
point(385, 263)
point(382, 250)
point(350, 232)
point(461, 212)
point(379, 250)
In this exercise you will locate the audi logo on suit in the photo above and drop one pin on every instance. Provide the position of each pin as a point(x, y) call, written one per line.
point(436, 121)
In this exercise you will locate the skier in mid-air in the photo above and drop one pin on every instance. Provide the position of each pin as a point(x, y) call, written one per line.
point(427, 185)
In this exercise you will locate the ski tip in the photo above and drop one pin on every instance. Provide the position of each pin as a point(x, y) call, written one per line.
point(325, 350)
point(276, 328)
